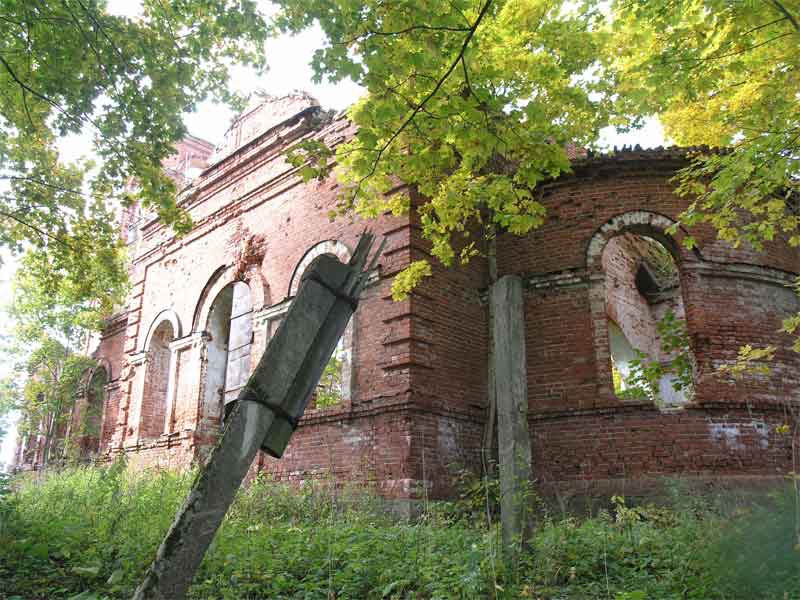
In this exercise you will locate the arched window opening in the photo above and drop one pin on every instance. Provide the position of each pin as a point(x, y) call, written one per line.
point(230, 329)
point(92, 417)
point(334, 386)
point(153, 415)
point(648, 343)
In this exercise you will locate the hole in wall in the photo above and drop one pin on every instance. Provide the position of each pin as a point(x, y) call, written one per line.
point(651, 359)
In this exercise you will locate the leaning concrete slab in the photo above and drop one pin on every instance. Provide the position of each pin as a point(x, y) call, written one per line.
point(265, 415)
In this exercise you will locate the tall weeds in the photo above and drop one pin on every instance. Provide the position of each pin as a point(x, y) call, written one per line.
point(89, 533)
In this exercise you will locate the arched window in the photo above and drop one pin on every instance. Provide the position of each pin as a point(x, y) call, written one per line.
point(230, 330)
point(92, 417)
point(335, 385)
point(647, 338)
point(152, 418)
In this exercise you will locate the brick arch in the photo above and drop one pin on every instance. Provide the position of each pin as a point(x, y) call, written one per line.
point(102, 364)
point(642, 222)
point(222, 277)
point(165, 315)
point(333, 247)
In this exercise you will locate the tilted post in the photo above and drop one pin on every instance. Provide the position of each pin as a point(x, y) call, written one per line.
point(265, 416)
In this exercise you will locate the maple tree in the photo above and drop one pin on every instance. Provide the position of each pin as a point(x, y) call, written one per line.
point(70, 68)
point(475, 103)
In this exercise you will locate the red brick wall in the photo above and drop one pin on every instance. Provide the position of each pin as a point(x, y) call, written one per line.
point(637, 442)
point(420, 366)
point(732, 297)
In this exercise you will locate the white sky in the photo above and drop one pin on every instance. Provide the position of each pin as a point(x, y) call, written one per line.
point(289, 60)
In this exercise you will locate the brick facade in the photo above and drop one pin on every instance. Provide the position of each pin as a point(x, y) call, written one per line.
point(414, 401)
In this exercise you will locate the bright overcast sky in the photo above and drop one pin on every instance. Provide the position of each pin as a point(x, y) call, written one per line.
point(289, 60)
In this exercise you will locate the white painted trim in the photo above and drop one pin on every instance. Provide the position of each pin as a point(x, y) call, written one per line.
point(333, 247)
point(165, 315)
point(270, 313)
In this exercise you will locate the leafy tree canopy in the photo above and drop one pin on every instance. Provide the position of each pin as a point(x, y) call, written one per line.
point(722, 73)
point(43, 388)
point(70, 67)
point(476, 103)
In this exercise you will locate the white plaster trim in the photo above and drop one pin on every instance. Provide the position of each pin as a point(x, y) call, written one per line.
point(138, 358)
point(618, 224)
point(742, 271)
point(165, 315)
point(333, 247)
point(373, 277)
point(270, 313)
point(186, 341)
point(556, 280)
point(172, 376)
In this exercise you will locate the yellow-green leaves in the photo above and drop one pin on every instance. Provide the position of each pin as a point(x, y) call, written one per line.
point(749, 361)
point(72, 67)
point(408, 279)
point(471, 104)
point(720, 73)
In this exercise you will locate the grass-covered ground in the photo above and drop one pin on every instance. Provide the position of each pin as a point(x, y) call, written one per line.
point(89, 533)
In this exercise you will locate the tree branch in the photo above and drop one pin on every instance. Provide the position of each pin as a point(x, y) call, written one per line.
point(43, 234)
point(729, 54)
point(404, 31)
point(782, 9)
point(419, 107)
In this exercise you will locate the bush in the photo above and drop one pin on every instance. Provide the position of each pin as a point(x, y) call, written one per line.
point(89, 533)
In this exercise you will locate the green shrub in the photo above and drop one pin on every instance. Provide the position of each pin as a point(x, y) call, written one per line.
point(758, 554)
point(89, 533)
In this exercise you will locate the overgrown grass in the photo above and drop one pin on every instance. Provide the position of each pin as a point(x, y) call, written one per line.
point(90, 533)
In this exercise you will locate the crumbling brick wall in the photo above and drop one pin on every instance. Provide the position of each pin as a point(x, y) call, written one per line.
point(418, 399)
point(581, 431)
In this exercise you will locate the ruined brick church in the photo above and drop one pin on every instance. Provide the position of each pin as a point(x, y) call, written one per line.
point(404, 401)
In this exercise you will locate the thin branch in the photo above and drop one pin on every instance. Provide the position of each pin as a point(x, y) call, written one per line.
point(27, 109)
point(427, 98)
point(782, 9)
point(100, 60)
point(43, 234)
point(102, 30)
point(42, 97)
point(460, 12)
point(762, 26)
point(729, 54)
point(52, 186)
point(404, 31)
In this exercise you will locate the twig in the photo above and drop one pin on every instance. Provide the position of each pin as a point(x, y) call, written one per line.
point(402, 32)
point(427, 98)
point(38, 230)
point(782, 9)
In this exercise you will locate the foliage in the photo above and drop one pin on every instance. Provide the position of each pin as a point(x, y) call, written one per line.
point(329, 388)
point(749, 361)
point(48, 298)
point(760, 550)
point(70, 68)
point(472, 104)
point(476, 500)
point(93, 531)
point(43, 389)
point(724, 74)
point(645, 373)
point(792, 324)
